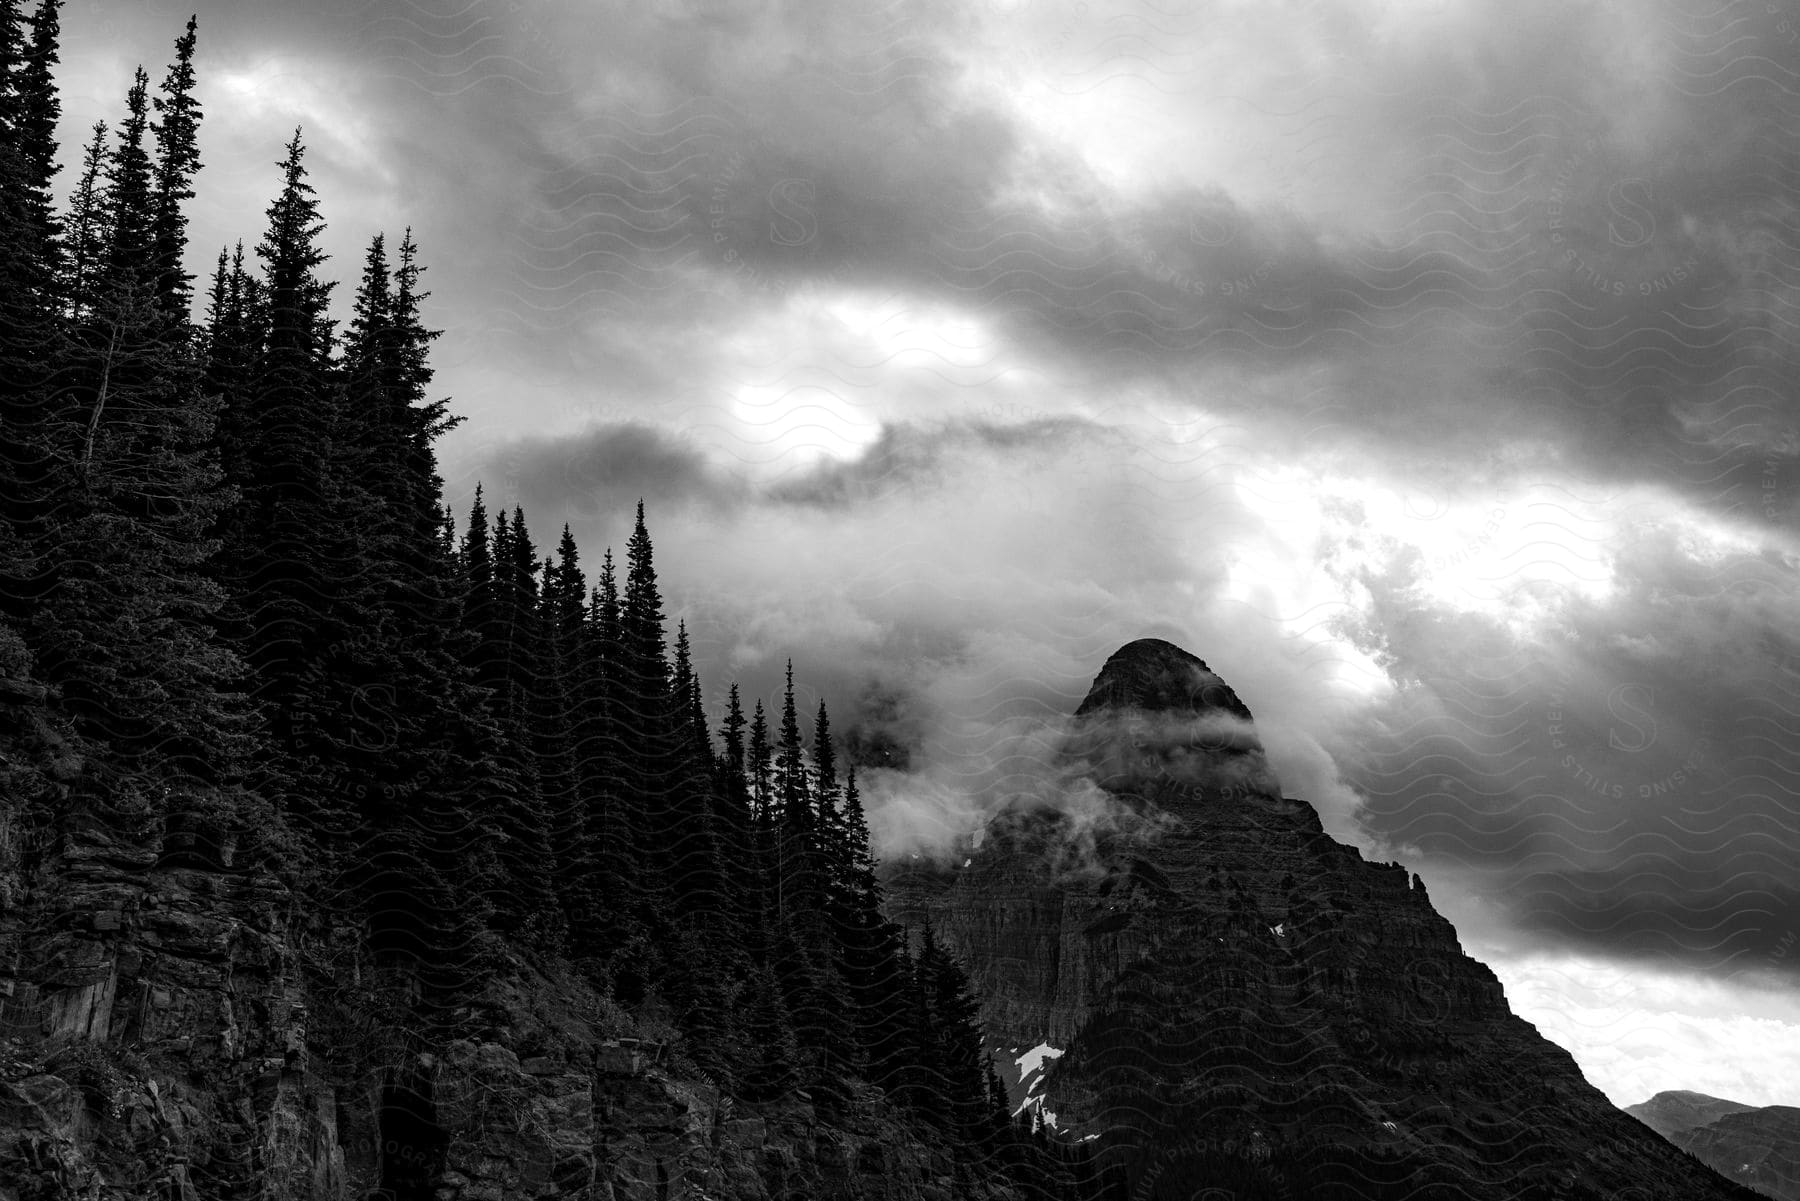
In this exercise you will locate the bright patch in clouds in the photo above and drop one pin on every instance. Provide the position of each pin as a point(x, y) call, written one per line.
point(796, 426)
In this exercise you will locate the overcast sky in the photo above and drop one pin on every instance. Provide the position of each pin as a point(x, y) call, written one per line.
point(1427, 368)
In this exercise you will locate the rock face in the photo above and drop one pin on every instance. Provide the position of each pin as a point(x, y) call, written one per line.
point(178, 1035)
point(1188, 972)
point(1759, 1147)
point(195, 1031)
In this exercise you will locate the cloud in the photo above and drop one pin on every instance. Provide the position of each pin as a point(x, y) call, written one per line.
point(1618, 766)
point(608, 469)
point(1644, 1032)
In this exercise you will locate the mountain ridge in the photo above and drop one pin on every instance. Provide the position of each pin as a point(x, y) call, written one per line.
point(1758, 1146)
point(1220, 964)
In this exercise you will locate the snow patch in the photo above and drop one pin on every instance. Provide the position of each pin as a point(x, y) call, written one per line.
point(1031, 1076)
point(1032, 1062)
point(1040, 1116)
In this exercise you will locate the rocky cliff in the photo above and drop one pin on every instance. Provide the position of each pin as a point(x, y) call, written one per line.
point(184, 1026)
point(1759, 1147)
point(1188, 973)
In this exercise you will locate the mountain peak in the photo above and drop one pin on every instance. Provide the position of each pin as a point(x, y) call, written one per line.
point(1158, 716)
point(1158, 676)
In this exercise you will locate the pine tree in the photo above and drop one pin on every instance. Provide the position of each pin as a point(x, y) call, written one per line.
point(35, 106)
point(563, 621)
point(873, 949)
point(125, 631)
point(641, 619)
point(764, 827)
point(734, 765)
point(30, 304)
point(128, 189)
point(515, 819)
point(283, 541)
point(457, 766)
point(177, 161)
point(761, 773)
point(825, 784)
point(87, 230)
point(614, 825)
point(830, 848)
point(233, 339)
point(954, 1055)
point(792, 824)
point(515, 570)
point(643, 717)
point(696, 874)
point(739, 862)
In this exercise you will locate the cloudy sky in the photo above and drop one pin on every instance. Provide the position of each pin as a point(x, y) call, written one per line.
point(1426, 366)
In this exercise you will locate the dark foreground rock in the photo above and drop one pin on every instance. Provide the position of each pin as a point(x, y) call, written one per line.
point(186, 1032)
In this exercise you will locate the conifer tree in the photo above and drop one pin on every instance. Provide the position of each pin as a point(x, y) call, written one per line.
point(177, 160)
point(761, 774)
point(128, 189)
point(760, 856)
point(825, 781)
point(696, 874)
point(615, 819)
point(33, 106)
point(283, 541)
point(86, 230)
point(875, 970)
point(30, 303)
point(562, 620)
point(954, 1055)
point(643, 716)
point(457, 765)
point(125, 630)
point(233, 339)
point(604, 856)
point(739, 864)
point(477, 562)
point(792, 824)
point(734, 764)
point(515, 819)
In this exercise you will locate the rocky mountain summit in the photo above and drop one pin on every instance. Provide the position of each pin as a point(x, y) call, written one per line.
point(1182, 969)
point(1757, 1146)
point(1669, 1113)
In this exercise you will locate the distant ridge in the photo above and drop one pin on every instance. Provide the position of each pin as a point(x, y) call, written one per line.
point(1756, 1145)
point(1669, 1113)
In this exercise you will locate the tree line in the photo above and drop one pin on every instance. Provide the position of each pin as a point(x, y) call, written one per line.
point(230, 574)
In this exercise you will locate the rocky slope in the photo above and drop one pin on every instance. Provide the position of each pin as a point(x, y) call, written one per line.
point(1185, 970)
point(187, 1028)
point(1759, 1147)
